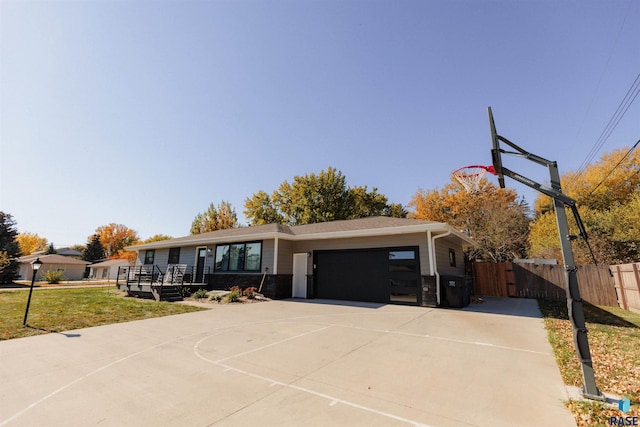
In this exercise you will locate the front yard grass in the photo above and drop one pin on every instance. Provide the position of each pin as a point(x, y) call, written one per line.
point(614, 340)
point(58, 310)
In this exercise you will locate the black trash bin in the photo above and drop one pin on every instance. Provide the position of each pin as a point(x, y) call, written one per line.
point(454, 291)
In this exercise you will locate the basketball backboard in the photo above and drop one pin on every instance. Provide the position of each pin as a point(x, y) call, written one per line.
point(496, 155)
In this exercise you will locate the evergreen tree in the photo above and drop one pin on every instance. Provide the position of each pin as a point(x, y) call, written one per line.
point(50, 250)
point(9, 248)
point(94, 250)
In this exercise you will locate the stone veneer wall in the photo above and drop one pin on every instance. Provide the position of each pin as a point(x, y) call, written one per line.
point(429, 291)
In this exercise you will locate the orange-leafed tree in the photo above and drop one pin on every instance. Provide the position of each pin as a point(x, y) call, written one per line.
point(116, 237)
point(492, 216)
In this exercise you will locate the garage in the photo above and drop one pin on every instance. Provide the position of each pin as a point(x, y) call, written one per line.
point(383, 275)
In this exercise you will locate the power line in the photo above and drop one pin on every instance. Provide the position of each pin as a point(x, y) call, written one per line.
point(614, 168)
point(606, 66)
point(624, 105)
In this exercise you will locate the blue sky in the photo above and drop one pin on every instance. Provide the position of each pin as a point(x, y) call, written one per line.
point(142, 112)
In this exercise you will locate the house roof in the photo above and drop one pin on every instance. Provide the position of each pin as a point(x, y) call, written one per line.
point(61, 251)
point(110, 263)
point(51, 259)
point(68, 252)
point(372, 226)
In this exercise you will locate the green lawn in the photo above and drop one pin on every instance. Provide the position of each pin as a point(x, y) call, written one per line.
point(57, 310)
point(614, 340)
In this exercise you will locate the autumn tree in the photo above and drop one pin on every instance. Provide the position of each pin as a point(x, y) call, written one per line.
point(9, 248)
point(4, 260)
point(608, 198)
point(215, 218)
point(115, 237)
point(318, 198)
point(156, 238)
point(94, 250)
point(260, 209)
point(31, 242)
point(493, 217)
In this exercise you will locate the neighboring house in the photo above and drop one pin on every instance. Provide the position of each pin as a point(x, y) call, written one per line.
point(109, 270)
point(69, 252)
point(73, 269)
point(377, 259)
point(62, 251)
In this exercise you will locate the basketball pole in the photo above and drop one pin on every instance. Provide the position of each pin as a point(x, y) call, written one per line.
point(572, 289)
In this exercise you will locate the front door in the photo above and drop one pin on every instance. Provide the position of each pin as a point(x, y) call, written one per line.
point(299, 275)
point(202, 256)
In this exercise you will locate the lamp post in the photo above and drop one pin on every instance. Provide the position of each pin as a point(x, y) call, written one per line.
point(35, 265)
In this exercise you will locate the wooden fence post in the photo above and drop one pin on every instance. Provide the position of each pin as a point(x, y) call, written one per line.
point(621, 285)
point(637, 274)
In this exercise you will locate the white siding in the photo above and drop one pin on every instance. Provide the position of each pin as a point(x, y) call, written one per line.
point(442, 256)
point(70, 271)
point(161, 257)
point(285, 257)
point(188, 255)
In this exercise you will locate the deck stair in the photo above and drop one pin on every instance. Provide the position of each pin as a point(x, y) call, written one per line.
point(168, 293)
point(168, 285)
point(152, 282)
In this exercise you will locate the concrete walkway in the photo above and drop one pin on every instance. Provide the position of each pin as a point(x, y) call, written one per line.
point(292, 363)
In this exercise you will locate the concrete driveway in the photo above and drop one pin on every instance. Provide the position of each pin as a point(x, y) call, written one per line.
point(297, 363)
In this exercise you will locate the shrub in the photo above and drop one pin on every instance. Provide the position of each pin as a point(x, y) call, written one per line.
point(234, 295)
point(250, 292)
point(216, 297)
point(200, 293)
point(53, 276)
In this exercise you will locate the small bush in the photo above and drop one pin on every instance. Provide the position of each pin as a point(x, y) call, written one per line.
point(216, 297)
point(234, 295)
point(53, 276)
point(250, 292)
point(200, 293)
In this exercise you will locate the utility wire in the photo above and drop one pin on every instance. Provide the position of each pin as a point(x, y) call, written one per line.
point(614, 168)
point(606, 66)
point(623, 107)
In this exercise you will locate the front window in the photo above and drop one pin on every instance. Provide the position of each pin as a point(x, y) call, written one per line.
point(149, 256)
point(174, 256)
point(238, 257)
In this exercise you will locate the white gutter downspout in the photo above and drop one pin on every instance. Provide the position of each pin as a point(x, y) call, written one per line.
point(275, 255)
point(435, 265)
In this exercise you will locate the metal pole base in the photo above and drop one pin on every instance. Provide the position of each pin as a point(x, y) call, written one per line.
point(600, 397)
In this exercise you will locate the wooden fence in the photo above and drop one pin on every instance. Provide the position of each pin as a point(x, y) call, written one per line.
point(627, 285)
point(543, 281)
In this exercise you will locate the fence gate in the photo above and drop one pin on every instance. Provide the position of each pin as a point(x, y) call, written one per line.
point(493, 279)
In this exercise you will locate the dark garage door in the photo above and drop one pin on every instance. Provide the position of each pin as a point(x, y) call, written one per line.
point(371, 275)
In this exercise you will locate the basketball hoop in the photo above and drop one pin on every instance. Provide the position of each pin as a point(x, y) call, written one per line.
point(470, 176)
